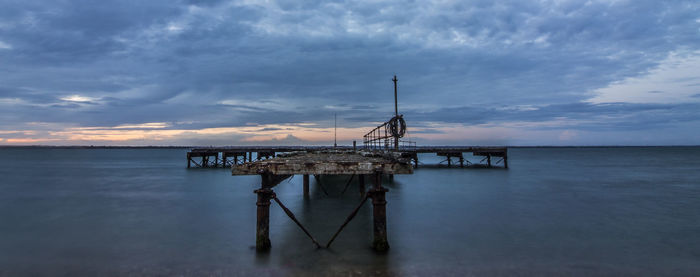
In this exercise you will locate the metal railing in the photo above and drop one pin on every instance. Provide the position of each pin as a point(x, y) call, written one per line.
point(387, 136)
point(379, 137)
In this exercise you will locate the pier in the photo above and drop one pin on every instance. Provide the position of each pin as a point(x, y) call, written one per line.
point(382, 153)
point(454, 156)
point(324, 162)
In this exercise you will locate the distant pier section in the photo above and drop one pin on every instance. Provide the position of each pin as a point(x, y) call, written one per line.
point(454, 156)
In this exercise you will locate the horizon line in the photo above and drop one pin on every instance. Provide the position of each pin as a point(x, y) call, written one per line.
point(344, 146)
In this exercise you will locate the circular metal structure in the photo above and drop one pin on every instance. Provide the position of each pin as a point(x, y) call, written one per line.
point(397, 126)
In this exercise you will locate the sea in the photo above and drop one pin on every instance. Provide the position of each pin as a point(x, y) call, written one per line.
point(564, 211)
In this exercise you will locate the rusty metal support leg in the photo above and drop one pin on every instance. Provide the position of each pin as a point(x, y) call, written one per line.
point(449, 161)
point(262, 233)
point(488, 159)
point(189, 159)
point(377, 193)
point(306, 185)
point(505, 161)
point(265, 193)
point(461, 160)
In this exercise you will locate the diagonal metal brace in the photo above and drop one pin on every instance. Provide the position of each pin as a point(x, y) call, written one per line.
point(348, 184)
point(291, 215)
point(350, 217)
point(318, 180)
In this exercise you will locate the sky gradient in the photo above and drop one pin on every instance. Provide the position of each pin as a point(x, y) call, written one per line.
point(275, 72)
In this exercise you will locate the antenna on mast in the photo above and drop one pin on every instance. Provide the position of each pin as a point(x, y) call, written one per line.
point(335, 130)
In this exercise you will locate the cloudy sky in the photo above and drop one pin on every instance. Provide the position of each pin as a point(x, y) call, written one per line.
point(249, 72)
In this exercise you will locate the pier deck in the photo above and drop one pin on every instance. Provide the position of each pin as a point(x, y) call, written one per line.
point(329, 162)
point(226, 156)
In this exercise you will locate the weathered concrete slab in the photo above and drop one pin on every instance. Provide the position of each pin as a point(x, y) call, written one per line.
point(328, 162)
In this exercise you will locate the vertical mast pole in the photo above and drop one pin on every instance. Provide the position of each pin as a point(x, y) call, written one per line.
point(396, 102)
point(396, 110)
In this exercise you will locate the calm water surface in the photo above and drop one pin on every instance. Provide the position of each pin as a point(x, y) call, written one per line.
point(556, 211)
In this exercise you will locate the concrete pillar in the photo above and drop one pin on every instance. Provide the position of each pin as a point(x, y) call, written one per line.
point(262, 233)
point(377, 193)
point(306, 185)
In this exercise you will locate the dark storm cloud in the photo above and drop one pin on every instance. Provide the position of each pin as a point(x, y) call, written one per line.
point(198, 64)
point(67, 32)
